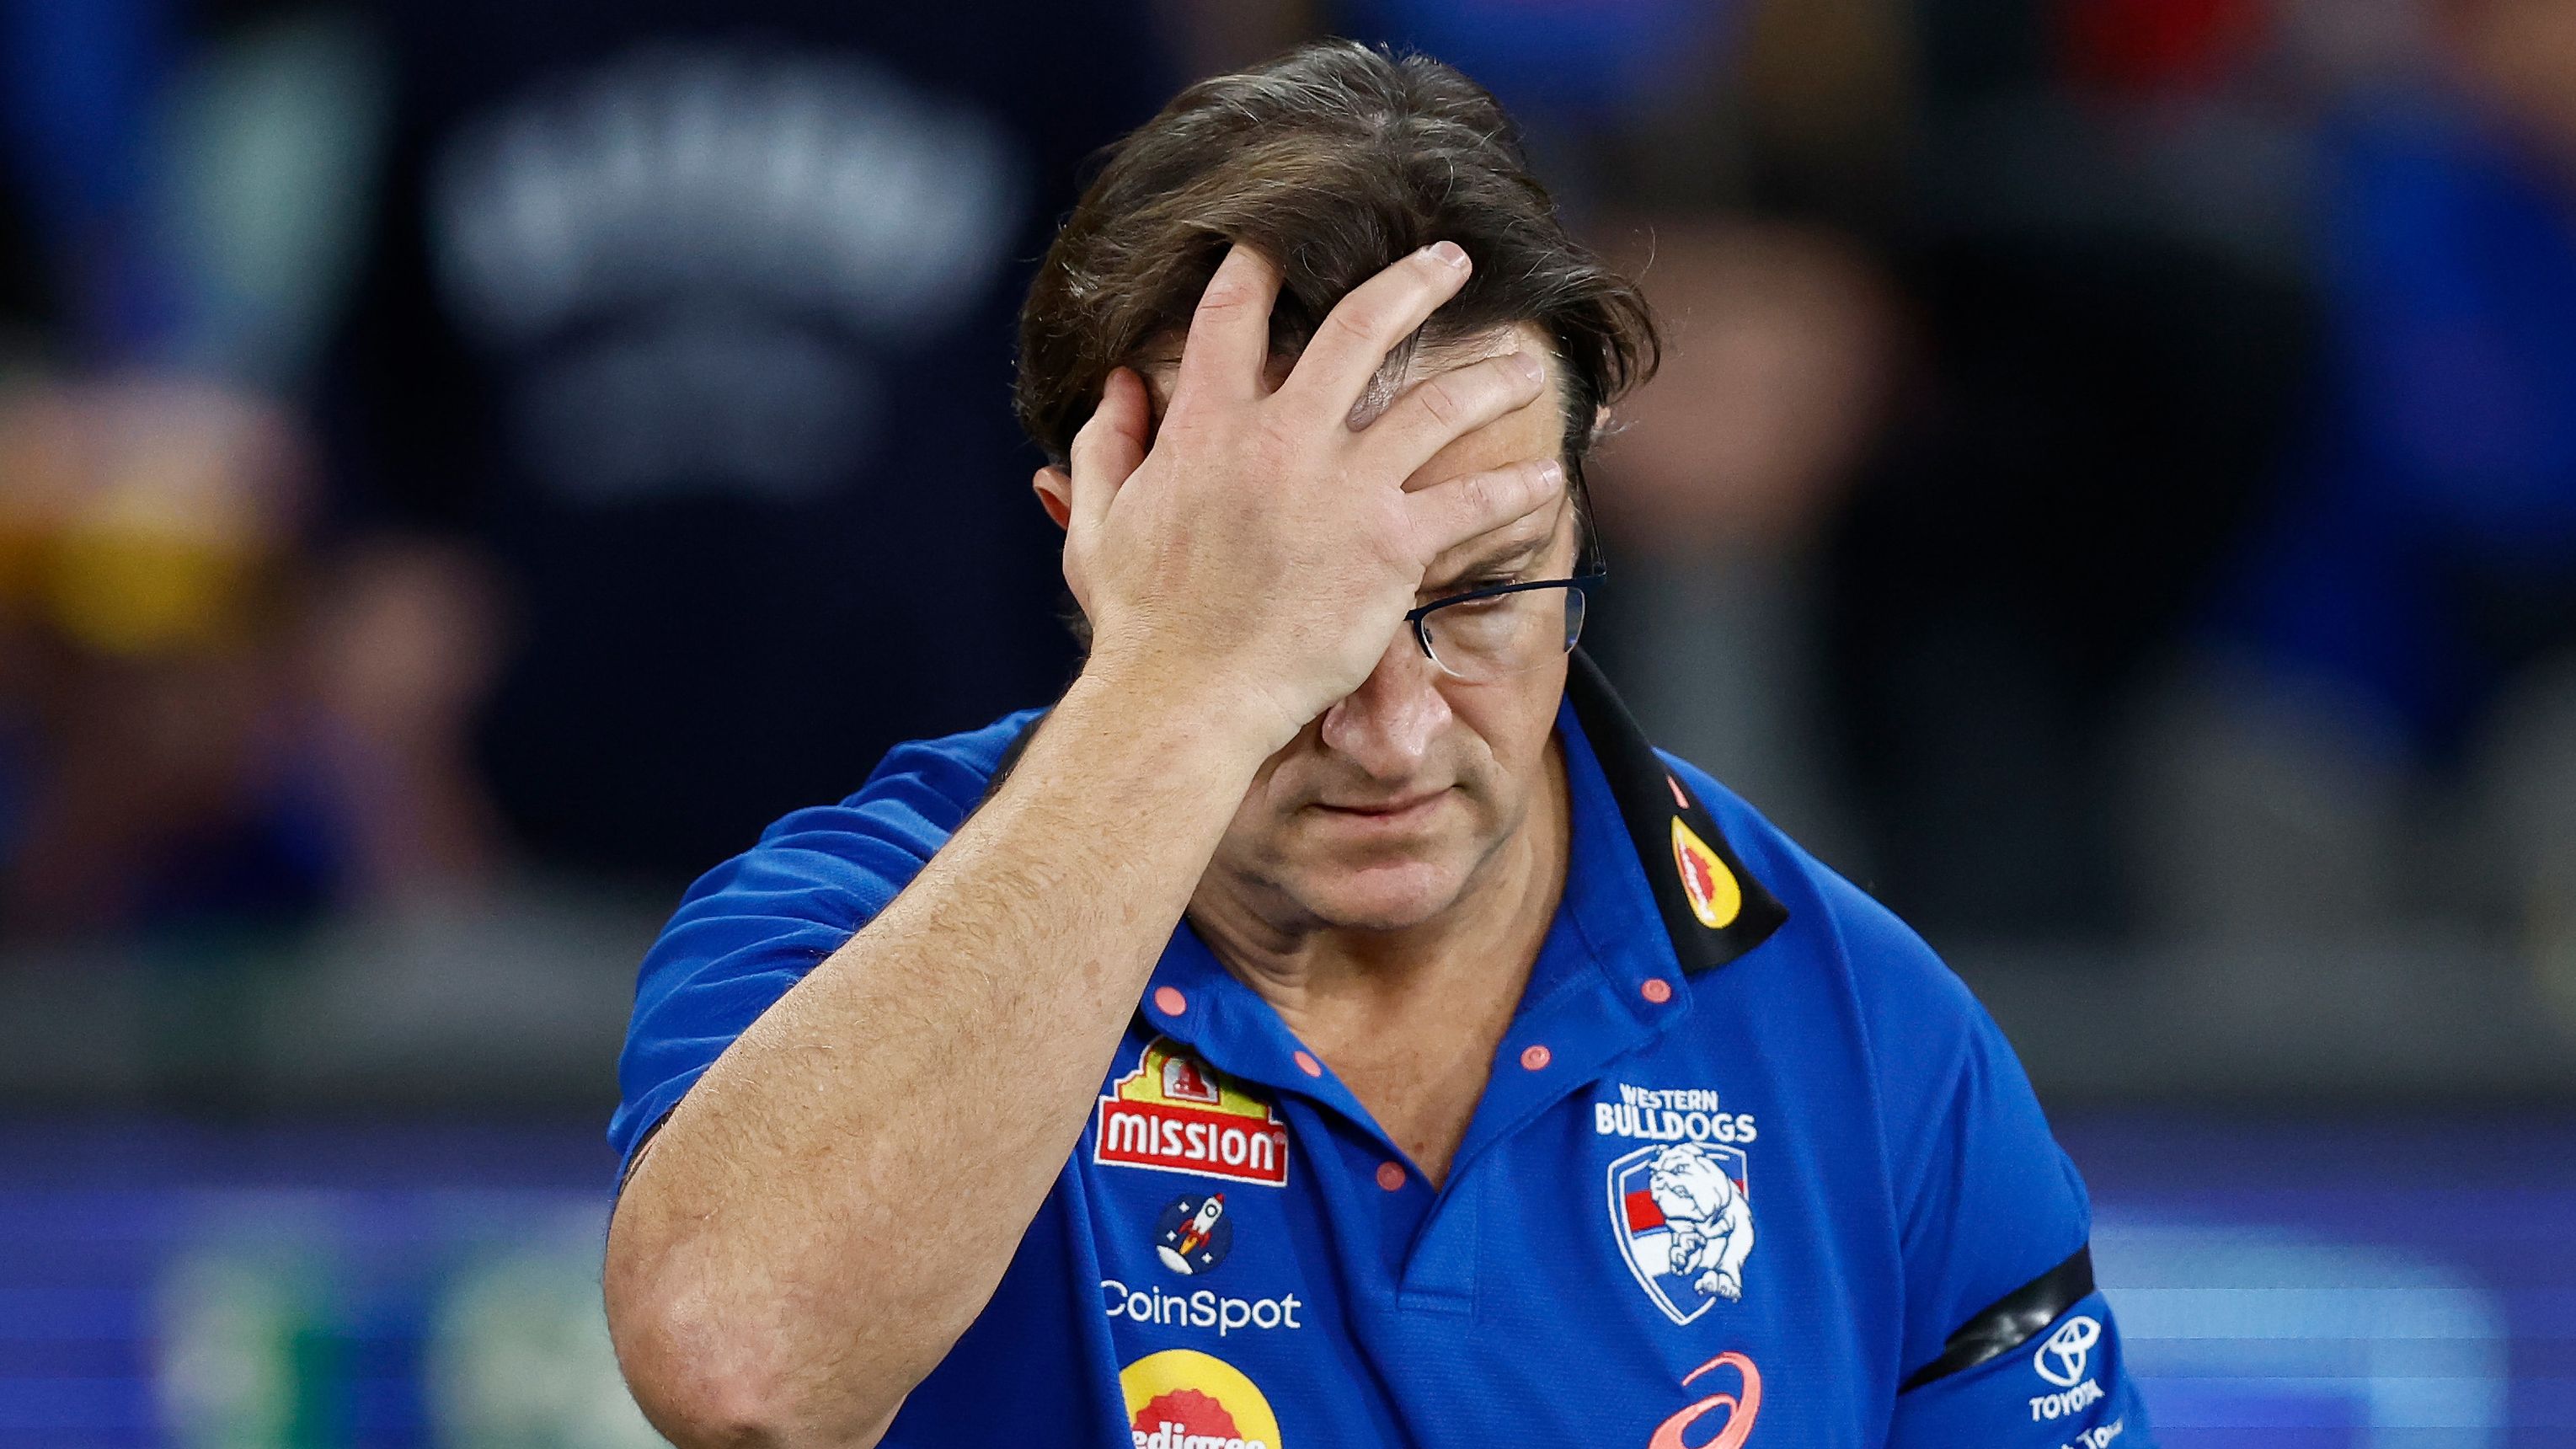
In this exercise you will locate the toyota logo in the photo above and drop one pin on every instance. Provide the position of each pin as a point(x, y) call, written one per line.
point(2061, 1360)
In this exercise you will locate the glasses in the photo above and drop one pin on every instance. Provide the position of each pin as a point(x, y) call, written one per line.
point(1503, 629)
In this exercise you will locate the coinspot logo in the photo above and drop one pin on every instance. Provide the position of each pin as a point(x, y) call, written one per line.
point(2063, 1358)
point(1194, 1234)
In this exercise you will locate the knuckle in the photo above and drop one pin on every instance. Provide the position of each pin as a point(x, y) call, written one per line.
point(1226, 294)
point(1355, 321)
point(1534, 483)
point(1439, 400)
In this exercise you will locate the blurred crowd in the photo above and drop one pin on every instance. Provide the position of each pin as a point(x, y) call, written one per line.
point(2113, 475)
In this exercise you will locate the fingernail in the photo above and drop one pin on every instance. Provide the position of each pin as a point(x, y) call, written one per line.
point(1527, 366)
point(1551, 473)
point(1449, 252)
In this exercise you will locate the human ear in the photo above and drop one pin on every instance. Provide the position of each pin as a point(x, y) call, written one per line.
point(1054, 488)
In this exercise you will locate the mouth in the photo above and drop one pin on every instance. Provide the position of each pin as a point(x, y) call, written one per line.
point(1406, 811)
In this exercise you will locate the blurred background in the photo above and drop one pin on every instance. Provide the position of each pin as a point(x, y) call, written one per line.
point(465, 467)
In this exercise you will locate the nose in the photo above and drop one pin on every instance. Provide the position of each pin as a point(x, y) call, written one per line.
point(1388, 725)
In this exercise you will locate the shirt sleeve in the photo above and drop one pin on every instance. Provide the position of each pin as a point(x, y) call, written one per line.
point(752, 927)
point(2006, 1344)
point(2065, 1387)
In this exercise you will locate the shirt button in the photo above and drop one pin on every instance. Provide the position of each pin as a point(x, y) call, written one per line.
point(1390, 1175)
point(1657, 990)
point(1306, 1063)
point(1533, 1058)
point(1169, 1000)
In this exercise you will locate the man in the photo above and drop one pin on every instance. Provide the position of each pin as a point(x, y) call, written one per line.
point(1331, 886)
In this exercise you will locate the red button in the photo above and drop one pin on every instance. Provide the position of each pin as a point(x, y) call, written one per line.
point(1169, 1000)
point(1390, 1175)
point(1306, 1063)
point(1657, 990)
point(1534, 1057)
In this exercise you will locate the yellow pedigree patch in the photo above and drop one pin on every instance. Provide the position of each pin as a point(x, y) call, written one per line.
point(1714, 895)
point(1183, 1399)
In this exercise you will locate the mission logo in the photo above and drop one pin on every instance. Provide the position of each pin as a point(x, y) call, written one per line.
point(1175, 1113)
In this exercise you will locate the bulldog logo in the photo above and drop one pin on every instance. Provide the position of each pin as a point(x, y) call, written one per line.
point(1684, 1224)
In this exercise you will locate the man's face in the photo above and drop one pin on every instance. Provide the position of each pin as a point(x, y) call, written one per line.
point(1384, 810)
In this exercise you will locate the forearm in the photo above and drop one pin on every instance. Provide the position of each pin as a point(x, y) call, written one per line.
point(765, 1274)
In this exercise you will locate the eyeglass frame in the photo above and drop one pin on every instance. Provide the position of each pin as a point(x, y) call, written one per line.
point(1587, 543)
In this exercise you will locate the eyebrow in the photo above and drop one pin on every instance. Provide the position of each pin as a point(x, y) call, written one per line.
point(1518, 553)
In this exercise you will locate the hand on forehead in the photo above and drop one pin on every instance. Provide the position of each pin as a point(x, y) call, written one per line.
point(1418, 359)
point(1531, 432)
point(1527, 545)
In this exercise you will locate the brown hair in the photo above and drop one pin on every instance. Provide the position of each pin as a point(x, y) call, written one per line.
point(1333, 161)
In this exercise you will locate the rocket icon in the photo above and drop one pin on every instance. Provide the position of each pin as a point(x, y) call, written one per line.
point(1185, 1246)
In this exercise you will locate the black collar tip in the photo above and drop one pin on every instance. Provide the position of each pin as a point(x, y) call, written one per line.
point(1713, 908)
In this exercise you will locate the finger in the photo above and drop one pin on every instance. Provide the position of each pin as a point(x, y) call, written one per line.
point(1110, 446)
point(1365, 326)
point(1454, 510)
point(1054, 488)
point(1534, 530)
point(1442, 408)
point(1228, 348)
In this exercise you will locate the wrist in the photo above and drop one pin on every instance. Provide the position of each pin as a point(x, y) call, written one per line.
point(1230, 726)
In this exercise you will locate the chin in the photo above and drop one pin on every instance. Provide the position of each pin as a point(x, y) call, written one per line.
point(1390, 896)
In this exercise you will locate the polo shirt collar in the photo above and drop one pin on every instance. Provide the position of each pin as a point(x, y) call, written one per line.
point(1713, 909)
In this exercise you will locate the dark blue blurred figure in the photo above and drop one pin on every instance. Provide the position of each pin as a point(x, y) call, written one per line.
point(1553, 63)
point(699, 313)
point(2384, 739)
point(2428, 551)
point(80, 93)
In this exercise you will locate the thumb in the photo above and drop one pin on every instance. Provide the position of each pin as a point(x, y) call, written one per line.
point(1454, 510)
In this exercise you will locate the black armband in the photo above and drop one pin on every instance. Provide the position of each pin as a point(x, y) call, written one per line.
point(2012, 1320)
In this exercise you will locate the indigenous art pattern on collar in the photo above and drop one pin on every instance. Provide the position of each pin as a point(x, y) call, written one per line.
point(1713, 908)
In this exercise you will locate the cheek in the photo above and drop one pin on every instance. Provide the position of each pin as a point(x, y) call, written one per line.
point(1514, 718)
point(1283, 783)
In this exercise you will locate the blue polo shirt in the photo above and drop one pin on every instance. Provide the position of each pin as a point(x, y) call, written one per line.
point(1752, 1168)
